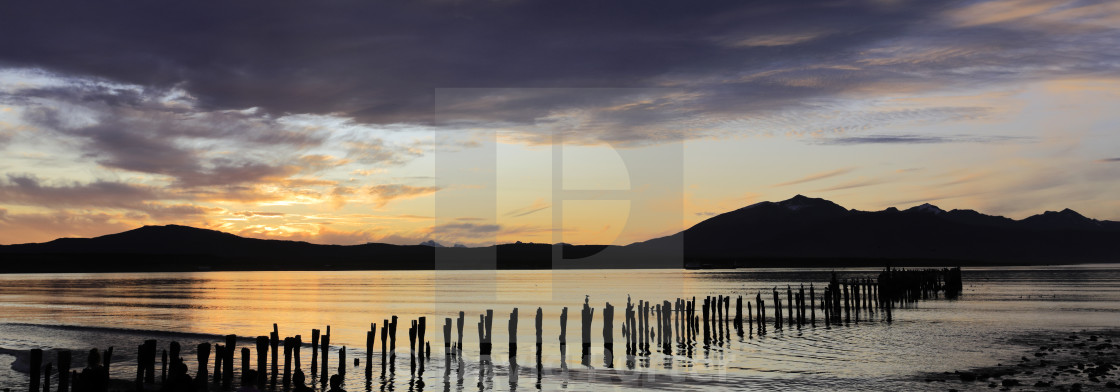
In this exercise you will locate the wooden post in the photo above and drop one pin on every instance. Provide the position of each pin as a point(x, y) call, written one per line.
point(750, 320)
point(219, 354)
point(35, 369)
point(295, 353)
point(173, 351)
point(47, 378)
point(262, 360)
point(314, 355)
point(287, 380)
point(812, 306)
point(512, 325)
point(342, 361)
point(246, 357)
point(203, 356)
point(107, 359)
point(459, 328)
point(393, 334)
point(274, 343)
point(422, 328)
point(563, 327)
point(447, 337)
point(608, 335)
point(64, 371)
point(139, 368)
point(412, 339)
point(227, 367)
point(384, 346)
point(370, 336)
point(163, 368)
point(325, 342)
point(539, 323)
point(847, 304)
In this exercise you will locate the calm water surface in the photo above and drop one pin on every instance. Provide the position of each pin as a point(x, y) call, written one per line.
point(81, 311)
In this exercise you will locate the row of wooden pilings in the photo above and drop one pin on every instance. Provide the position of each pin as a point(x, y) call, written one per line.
point(647, 326)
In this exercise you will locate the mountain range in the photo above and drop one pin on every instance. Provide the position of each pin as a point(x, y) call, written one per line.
point(800, 231)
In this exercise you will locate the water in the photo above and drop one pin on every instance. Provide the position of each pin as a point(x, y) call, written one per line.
point(81, 311)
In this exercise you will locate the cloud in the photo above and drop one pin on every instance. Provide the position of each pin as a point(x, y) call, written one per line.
point(859, 183)
point(917, 139)
point(817, 176)
point(1108, 160)
point(389, 192)
point(724, 67)
point(16, 228)
point(538, 205)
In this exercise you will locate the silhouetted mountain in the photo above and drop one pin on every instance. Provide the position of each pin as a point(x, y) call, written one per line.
point(182, 248)
point(806, 228)
point(800, 231)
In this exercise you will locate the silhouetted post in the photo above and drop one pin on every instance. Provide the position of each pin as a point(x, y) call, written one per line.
point(245, 361)
point(459, 326)
point(707, 305)
point(761, 307)
point(847, 304)
point(447, 336)
point(295, 352)
point(422, 328)
point(608, 335)
point(412, 339)
point(342, 361)
point(393, 334)
point(587, 313)
point(315, 355)
point(563, 328)
point(628, 327)
point(512, 324)
point(789, 306)
point(262, 360)
point(539, 324)
point(287, 380)
point(370, 336)
point(812, 306)
point(384, 346)
point(739, 314)
point(47, 378)
point(163, 368)
point(64, 371)
point(227, 365)
point(489, 332)
point(219, 354)
point(274, 344)
point(107, 358)
point(35, 368)
point(855, 298)
point(750, 320)
point(139, 369)
point(325, 342)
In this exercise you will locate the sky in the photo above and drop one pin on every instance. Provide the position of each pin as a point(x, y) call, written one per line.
point(604, 122)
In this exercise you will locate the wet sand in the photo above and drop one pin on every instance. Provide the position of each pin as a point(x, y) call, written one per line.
point(1080, 361)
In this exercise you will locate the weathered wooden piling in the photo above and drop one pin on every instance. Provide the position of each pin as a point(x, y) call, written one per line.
point(384, 345)
point(459, 326)
point(412, 338)
point(107, 359)
point(512, 325)
point(64, 371)
point(219, 355)
point(35, 368)
point(274, 344)
point(370, 336)
point(325, 346)
point(245, 353)
point(485, 345)
point(393, 334)
point(563, 327)
point(47, 378)
point(539, 324)
point(608, 335)
point(585, 327)
point(447, 337)
point(789, 306)
point(202, 351)
point(750, 319)
point(812, 305)
point(315, 354)
point(342, 361)
point(421, 330)
point(150, 361)
point(262, 360)
point(286, 381)
point(295, 353)
point(163, 368)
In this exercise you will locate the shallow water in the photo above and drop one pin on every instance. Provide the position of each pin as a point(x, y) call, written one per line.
point(81, 311)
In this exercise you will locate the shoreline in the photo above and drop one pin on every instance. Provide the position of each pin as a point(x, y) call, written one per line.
point(1078, 361)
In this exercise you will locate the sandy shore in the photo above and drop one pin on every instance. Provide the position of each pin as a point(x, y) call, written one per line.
point(1081, 361)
